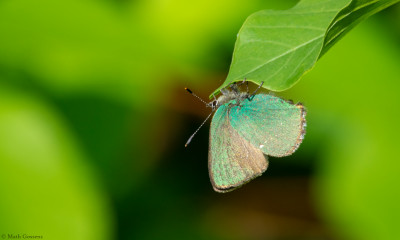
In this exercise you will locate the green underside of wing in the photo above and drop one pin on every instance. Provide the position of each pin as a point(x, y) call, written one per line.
point(233, 160)
point(269, 123)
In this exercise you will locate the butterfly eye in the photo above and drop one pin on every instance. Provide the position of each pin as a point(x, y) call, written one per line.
point(213, 104)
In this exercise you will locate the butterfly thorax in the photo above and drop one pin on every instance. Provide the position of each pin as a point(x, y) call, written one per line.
point(228, 96)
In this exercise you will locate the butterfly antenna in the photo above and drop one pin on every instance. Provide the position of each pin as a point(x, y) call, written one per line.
point(190, 139)
point(190, 91)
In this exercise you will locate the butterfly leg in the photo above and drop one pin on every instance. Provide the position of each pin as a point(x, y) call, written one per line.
point(255, 91)
point(235, 87)
point(231, 85)
point(215, 99)
point(242, 82)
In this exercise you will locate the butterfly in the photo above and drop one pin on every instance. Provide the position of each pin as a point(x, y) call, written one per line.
point(246, 129)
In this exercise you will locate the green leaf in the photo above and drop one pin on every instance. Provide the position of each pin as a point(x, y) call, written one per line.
point(350, 16)
point(279, 47)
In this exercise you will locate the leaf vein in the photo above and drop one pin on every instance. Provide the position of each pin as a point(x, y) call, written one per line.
point(281, 55)
point(301, 13)
point(302, 60)
point(267, 41)
point(280, 69)
point(297, 27)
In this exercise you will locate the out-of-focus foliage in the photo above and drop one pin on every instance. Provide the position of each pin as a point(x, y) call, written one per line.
point(93, 121)
point(47, 187)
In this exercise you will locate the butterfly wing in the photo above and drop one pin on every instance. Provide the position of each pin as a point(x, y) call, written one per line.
point(271, 124)
point(232, 160)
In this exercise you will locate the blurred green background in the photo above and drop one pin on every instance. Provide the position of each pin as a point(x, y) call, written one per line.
point(94, 118)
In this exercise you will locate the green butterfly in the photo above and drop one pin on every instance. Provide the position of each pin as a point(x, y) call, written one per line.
point(244, 130)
